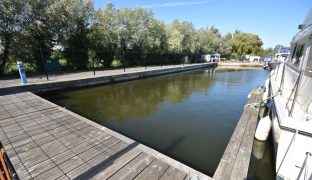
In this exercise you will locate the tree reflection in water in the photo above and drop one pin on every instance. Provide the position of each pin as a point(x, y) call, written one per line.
point(135, 99)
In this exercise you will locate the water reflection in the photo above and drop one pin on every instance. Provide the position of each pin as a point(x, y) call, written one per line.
point(137, 99)
point(261, 163)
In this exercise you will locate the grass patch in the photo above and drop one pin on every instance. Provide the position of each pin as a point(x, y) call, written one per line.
point(116, 63)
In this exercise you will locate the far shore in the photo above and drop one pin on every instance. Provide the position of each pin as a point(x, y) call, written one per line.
point(240, 65)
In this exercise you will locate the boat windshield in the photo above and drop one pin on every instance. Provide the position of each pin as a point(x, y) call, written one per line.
point(285, 50)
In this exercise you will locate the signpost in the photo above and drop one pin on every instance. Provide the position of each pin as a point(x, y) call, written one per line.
point(21, 71)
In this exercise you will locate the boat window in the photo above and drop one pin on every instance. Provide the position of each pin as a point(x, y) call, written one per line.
point(293, 52)
point(308, 68)
point(298, 54)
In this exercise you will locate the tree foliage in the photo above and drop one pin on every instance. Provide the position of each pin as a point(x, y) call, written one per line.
point(32, 30)
point(245, 43)
point(77, 45)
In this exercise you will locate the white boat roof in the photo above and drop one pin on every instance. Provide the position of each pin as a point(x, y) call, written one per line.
point(308, 20)
point(306, 29)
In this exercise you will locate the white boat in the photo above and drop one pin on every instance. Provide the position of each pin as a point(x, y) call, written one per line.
point(290, 86)
point(281, 55)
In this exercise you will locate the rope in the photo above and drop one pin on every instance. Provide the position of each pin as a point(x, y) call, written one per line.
point(270, 97)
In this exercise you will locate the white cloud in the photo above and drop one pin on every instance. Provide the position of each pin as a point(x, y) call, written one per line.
point(175, 4)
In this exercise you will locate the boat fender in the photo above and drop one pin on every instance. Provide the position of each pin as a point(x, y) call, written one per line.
point(263, 129)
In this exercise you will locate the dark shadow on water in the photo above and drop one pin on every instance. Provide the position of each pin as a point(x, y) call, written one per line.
point(175, 143)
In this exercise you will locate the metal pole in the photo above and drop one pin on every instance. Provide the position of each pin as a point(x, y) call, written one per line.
point(282, 78)
point(123, 59)
point(93, 68)
point(145, 60)
point(279, 63)
point(44, 67)
point(296, 93)
point(173, 58)
point(160, 59)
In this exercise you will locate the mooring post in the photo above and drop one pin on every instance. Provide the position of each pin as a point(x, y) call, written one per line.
point(145, 60)
point(123, 59)
point(173, 58)
point(93, 67)
point(160, 59)
point(44, 67)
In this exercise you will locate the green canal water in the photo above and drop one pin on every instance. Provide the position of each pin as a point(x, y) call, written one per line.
point(188, 116)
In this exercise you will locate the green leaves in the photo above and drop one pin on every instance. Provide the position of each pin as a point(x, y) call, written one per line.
point(245, 43)
point(32, 29)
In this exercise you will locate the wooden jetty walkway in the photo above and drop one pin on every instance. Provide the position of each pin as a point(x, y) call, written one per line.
point(45, 141)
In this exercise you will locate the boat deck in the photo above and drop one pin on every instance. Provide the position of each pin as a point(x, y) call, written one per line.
point(45, 141)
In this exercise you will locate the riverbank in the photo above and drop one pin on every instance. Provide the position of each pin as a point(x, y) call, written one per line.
point(61, 82)
point(240, 65)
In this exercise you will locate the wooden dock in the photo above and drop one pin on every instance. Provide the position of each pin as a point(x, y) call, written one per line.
point(45, 141)
point(235, 160)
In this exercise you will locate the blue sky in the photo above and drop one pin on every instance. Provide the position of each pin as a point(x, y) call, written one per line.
point(275, 21)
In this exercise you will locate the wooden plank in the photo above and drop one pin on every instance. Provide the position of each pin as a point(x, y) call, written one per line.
point(108, 168)
point(30, 154)
point(133, 168)
point(53, 148)
point(25, 147)
point(41, 167)
point(78, 171)
point(89, 154)
point(109, 142)
point(62, 157)
point(64, 177)
point(23, 173)
point(71, 164)
point(240, 168)
point(98, 159)
point(50, 174)
point(34, 160)
point(44, 140)
point(153, 171)
point(173, 173)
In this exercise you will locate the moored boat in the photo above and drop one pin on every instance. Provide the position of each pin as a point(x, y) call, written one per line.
point(290, 85)
point(280, 56)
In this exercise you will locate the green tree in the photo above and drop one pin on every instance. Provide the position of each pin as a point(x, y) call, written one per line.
point(267, 52)
point(175, 37)
point(77, 45)
point(103, 35)
point(182, 37)
point(245, 43)
point(211, 41)
point(11, 26)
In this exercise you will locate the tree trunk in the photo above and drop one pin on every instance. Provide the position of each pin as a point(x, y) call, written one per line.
point(5, 55)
